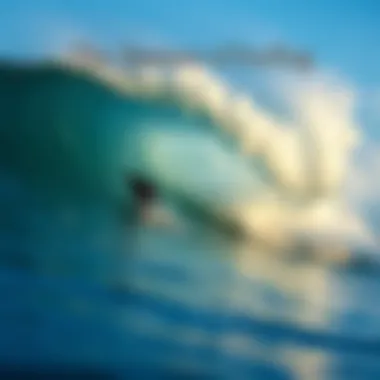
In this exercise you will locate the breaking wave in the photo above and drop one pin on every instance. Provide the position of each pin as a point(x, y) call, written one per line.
point(74, 131)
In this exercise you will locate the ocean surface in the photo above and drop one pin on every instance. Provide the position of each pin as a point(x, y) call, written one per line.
point(183, 312)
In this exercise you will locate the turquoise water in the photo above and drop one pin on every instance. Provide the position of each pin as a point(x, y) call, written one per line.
point(83, 295)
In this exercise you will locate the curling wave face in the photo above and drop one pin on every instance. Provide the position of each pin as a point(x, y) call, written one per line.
point(288, 173)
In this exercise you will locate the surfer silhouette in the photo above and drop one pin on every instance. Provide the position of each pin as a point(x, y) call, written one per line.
point(144, 194)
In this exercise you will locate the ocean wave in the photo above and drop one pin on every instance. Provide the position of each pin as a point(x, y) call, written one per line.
point(292, 170)
point(182, 294)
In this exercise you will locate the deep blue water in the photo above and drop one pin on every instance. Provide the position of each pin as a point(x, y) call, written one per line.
point(200, 329)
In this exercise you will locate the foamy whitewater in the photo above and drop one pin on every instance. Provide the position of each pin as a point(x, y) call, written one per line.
point(251, 264)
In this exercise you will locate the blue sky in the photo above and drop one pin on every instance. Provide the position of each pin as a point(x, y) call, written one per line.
point(339, 33)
